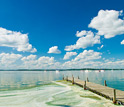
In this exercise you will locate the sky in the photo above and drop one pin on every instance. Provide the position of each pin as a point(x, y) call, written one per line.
point(52, 34)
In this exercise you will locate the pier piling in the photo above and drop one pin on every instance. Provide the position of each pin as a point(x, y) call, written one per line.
point(63, 77)
point(66, 78)
point(105, 91)
point(105, 83)
point(72, 80)
point(78, 77)
point(87, 79)
point(85, 85)
point(114, 96)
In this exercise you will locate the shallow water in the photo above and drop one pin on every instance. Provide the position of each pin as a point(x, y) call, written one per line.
point(54, 94)
point(39, 89)
point(23, 79)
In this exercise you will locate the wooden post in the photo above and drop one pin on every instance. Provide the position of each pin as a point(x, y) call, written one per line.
point(72, 80)
point(63, 77)
point(78, 77)
point(105, 83)
point(87, 79)
point(66, 78)
point(85, 85)
point(114, 97)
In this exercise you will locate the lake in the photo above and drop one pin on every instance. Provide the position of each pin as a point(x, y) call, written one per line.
point(40, 89)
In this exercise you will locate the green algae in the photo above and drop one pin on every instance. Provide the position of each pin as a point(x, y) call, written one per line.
point(92, 97)
point(27, 86)
point(8, 95)
point(66, 82)
point(64, 99)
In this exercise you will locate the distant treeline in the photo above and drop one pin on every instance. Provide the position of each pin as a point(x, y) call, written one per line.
point(57, 69)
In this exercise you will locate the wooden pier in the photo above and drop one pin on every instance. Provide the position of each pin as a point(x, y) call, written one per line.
point(117, 96)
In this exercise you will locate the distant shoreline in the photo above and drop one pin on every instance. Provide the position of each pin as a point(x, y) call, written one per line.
point(57, 69)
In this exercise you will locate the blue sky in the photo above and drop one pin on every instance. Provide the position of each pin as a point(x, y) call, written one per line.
point(51, 23)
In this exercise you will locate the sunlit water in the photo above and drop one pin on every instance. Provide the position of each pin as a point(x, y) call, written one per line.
point(40, 89)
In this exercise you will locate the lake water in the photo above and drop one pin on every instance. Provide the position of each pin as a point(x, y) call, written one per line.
point(40, 89)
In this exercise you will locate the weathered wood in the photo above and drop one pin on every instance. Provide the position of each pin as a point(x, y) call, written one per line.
point(63, 77)
point(78, 77)
point(114, 96)
point(84, 85)
point(105, 83)
point(87, 79)
point(107, 92)
point(66, 78)
point(72, 80)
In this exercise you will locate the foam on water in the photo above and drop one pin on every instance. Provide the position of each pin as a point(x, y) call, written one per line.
point(52, 95)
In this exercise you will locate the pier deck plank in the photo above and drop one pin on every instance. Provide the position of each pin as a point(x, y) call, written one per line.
point(100, 89)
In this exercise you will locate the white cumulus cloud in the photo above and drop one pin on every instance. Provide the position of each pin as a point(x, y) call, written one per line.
point(28, 58)
point(108, 23)
point(15, 40)
point(69, 54)
point(7, 58)
point(88, 58)
point(86, 41)
point(84, 59)
point(43, 62)
point(54, 49)
point(18, 61)
point(82, 33)
point(88, 55)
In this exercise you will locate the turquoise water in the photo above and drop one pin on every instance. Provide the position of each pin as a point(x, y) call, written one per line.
point(40, 89)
